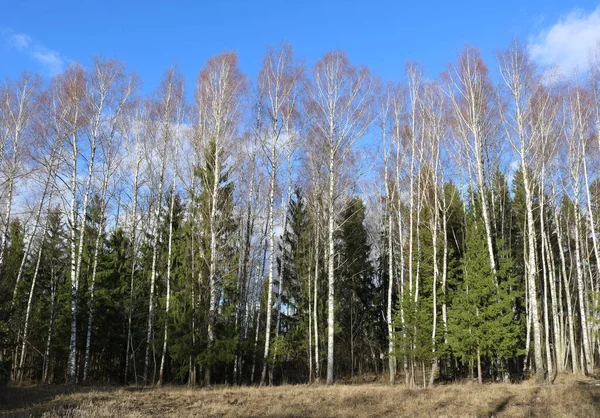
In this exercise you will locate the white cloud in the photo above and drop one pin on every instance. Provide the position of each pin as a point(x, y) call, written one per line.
point(51, 60)
point(20, 41)
point(567, 44)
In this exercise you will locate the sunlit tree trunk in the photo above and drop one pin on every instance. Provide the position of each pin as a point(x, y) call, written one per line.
point(340, 106)
point(473, 99)
point(576, 141)
point(49, 185)
point(516, 73)
point(133, 245)
point(169, 267)
point(398, 109)
point(330, 267)
point(16, 109)
point(29, 305)
point(390, 259)
point(278, 81)
point(53, 286)
point(171, 95)
point(315, 301)
point(72, 87)
point(219, 90)
point(271, 261)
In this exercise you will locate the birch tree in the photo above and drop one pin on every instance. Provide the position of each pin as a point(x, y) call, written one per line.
point(475, 111)
point(69, 119)
point(341, 111)
point(219, 90)
point(516, 70)
point(110, 91)
point(166, 111)
point(577, 131)
point(385, 99)
point(433, 112)
point(278, 82)
point(18, 101)
point(136, 127)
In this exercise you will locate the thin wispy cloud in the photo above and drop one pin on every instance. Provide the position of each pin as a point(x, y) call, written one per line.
point(568, 43)
point(20, 41)
point(52, 61)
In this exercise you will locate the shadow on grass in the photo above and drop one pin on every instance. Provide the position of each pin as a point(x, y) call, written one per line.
point(592, 391)
point(34, 400)
point(26, 401)
point(501, 406)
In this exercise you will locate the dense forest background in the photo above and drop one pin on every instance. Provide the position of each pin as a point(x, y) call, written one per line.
point(312, 224)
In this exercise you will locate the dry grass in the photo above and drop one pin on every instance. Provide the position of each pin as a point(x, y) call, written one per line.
point(568, 397)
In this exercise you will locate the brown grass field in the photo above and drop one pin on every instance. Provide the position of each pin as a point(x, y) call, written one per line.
point(568, 397)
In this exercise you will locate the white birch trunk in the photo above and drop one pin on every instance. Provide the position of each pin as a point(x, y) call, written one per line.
point(315, 302)
point(390, 254)
point(155, 229)
point(19, 122)
point(88, 340)
point(46, 366)
point(581, 298)
point(271, 259)
point(48, 184)
point(133, 263)
point(565, 280)
point(330, 270)
point(29, 305)
point(169, 268)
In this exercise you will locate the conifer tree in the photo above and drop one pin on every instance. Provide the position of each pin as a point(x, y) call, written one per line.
point(224, 226)
point(359, 299)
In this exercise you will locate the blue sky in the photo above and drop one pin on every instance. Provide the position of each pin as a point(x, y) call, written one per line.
point(44, 36)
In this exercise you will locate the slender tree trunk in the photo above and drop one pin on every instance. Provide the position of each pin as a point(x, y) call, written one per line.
point(76, 271)
point(565, 280)
point(88, 340)
point(479, 375)
point(19, 125)
point(133, 263)
point(591, 216)
point(401, 244)
point(212, 310)
point(29, 305)
point(527, 310)
point(411, 223)
point(4, 233)
point(169, 268)
point(595, 288)
point(436, 274)
point(556, 320)
point(581, 293)
point(331, 281)
point(155, 233)
point(546, 318)
point(445, 266)
point(49, 183)
point(315, 303)
point(53, 286)
point(284, 204)
point(391, 357)
point(257, 292)
point(531, 277)
point(271, 261)
point(73, 245)
point(551, 279)
point(310, 344)
point(94, 134)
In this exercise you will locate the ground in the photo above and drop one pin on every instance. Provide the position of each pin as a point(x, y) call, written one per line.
point(568, 397)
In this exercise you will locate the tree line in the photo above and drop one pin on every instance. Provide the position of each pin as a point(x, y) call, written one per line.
point(314, 224)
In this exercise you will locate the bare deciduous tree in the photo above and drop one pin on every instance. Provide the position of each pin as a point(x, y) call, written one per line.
point(340, 106)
